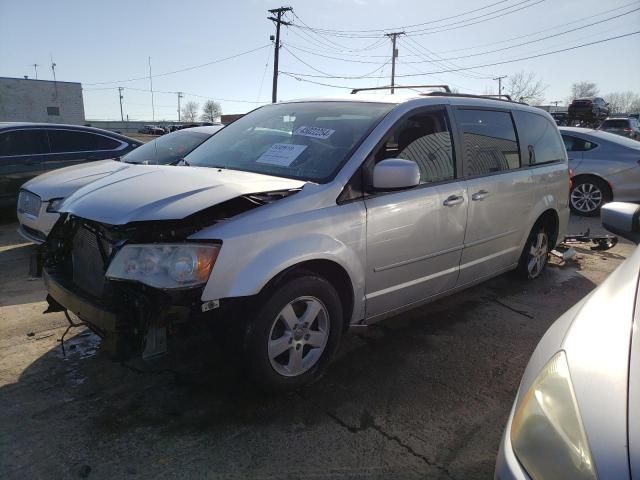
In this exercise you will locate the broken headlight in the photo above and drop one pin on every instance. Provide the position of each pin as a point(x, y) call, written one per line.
point(164, 265)
point(547, 433)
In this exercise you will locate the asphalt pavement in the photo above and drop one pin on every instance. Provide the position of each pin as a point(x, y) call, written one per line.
point(422, 395)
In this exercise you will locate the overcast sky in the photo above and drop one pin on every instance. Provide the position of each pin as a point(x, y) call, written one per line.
point(93, 42)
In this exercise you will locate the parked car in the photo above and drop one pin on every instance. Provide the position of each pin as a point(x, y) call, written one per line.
point(29, 149)
point(577, 411)
point(625, 126)
point(302, 218)
point(561, 118)
point(50, 189)
point(605, 168)
point(588, 108)
point(152, 130)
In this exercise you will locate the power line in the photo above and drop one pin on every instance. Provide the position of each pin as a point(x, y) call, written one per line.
point(446, 64)
point(183, 69)
point(539, 31)
point(323, 53)
point(441, 28)
point(545, 38)
point(530, 56)
point(490, 64)
point(380, 30)
point(329, 75)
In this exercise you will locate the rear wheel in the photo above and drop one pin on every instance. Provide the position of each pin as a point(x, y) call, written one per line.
point(296, 331)
point(533, 259)
point(588, 195)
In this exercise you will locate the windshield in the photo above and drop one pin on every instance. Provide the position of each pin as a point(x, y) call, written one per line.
point(166, 149)
point(306, 140)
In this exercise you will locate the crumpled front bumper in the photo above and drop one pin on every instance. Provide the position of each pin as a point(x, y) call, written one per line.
point(133, 320)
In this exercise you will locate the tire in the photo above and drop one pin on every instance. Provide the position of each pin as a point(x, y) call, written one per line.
point(286, 350)
point(535, 254)
point(587, 196)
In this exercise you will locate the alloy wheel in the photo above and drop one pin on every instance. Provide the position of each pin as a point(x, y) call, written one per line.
point(298, 336)
point(586, 197)
point(538, 255)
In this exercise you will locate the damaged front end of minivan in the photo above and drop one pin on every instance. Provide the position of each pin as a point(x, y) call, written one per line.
point(139, 284)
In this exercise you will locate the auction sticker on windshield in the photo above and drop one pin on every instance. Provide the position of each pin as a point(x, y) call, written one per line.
point(282, 154)
point(314, 132)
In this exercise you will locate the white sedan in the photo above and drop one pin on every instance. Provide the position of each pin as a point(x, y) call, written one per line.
point(41, 197)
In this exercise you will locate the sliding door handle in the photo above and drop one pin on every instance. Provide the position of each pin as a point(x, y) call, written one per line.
point(481, 195)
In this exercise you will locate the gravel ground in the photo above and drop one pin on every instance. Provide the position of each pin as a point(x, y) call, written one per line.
point(422, 395)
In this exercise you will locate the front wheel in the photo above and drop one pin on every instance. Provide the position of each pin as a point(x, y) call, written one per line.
point(295, 333)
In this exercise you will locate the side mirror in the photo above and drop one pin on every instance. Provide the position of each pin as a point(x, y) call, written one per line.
point(395, 174)
point(622, 219)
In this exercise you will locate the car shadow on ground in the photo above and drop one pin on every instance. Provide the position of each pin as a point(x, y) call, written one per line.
point(425, 394)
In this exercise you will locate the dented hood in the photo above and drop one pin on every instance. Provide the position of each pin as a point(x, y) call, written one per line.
point(153, 192)
point(63, 182)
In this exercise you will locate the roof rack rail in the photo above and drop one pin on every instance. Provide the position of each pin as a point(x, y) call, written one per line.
point(444, 87)
point(502, 98)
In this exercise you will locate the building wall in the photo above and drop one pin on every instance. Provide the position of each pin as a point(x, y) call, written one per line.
point(26, 100)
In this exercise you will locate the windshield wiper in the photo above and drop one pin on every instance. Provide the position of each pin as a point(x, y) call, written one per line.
point(181, 162)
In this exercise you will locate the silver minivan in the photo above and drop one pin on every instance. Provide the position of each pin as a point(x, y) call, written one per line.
point(304, 218)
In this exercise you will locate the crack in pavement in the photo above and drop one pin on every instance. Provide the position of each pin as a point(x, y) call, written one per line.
point(509, 307)
point(367, 421)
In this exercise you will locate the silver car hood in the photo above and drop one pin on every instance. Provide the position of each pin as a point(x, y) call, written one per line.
point(155, 192)
point(598, 346)
point(63, 182)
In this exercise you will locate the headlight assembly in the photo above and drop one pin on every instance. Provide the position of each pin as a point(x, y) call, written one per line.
point(165, 265)
point(547, 433)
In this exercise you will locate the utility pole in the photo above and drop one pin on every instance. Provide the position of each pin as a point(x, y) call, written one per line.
point(394, 54)
point(499, 79)
point(277, 19)
point(120, 89)
point(556, 102)
point(179, 97)
point(35, 66)
point(53, 69)
point(153, 109)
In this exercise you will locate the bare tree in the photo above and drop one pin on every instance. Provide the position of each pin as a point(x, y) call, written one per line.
point(583, 89)
point(525, 87)
point(211, 111)
point(635, 106)
point(190, 111)
point(621, 102)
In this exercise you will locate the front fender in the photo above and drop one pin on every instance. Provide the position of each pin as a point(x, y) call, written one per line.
point(278, 258)
point(253, 275)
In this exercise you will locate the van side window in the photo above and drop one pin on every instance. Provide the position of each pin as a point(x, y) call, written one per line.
point(539, 138)
point(490, 142)
point(575, 144)
point(23, 142)
point(425, 139)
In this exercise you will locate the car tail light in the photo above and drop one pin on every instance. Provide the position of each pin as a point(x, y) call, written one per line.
point(571, 178)
point(628, 130)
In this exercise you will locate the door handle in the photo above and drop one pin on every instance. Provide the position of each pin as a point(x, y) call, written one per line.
point(481, 195)
point(453, 200)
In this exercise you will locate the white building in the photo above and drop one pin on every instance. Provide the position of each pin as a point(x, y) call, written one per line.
point(27, 100)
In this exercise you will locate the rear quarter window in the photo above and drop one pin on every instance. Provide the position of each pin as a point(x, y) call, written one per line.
point(539, 139)
point(67, 141)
